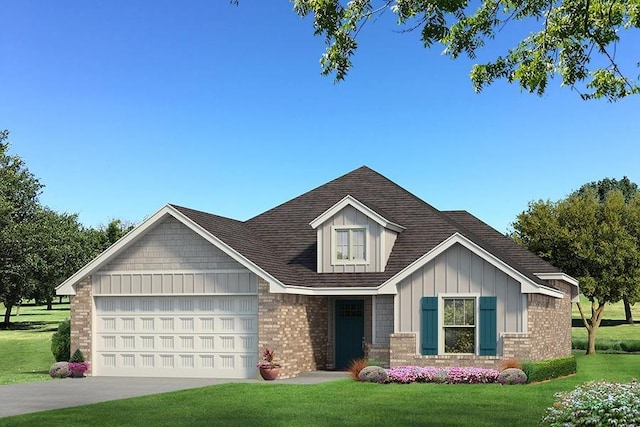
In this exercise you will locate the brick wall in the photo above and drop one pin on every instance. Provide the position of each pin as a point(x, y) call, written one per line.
point(549, 324)
point(81, 306)
point(378, 352)
point(295, 326)
point(403, 353)
point(516, 346)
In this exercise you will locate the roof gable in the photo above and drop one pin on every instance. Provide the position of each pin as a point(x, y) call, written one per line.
point(349, 200)
point(111, 253)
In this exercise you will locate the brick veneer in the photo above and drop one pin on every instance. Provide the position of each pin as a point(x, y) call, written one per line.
point(550, 324)
point(403, 353)
point(81, 315)
point(295, 326)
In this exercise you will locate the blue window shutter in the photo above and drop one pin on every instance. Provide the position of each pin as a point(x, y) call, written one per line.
point(430, 325)
point(488, 326)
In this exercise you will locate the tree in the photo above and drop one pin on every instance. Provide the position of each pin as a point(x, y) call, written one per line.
point(628, 190)
point(62, 249)
point(19, 191)
point(592, 241)
point(575, 39)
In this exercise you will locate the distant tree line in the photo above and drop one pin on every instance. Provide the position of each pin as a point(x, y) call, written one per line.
point(39, 248)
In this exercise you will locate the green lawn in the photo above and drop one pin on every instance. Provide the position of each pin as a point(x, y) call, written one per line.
point(342, 402)
point(613, 325)
point(25, 348)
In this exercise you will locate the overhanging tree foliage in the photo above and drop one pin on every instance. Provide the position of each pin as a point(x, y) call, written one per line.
point(575, 39)
point(596, 242)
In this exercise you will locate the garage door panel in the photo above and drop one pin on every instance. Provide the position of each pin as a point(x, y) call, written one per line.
point(200, 336)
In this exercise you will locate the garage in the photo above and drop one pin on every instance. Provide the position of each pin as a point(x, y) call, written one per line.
point(212, 334)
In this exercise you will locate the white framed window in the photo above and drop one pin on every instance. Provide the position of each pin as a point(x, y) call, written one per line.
point(350, 244)
point(459, 324)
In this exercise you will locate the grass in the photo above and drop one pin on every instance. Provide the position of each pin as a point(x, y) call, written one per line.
point(25, 348)
point(613, 325)
point(342, 402)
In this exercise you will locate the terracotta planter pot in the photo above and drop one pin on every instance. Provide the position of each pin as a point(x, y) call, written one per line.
point(269, 374)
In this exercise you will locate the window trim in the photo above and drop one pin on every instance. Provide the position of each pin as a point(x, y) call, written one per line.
point(441, 326)
point(334, 245)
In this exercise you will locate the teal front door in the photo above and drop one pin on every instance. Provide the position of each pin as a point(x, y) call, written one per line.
point(349, 331)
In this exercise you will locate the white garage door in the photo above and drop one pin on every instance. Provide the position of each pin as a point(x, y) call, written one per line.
point(176, 336)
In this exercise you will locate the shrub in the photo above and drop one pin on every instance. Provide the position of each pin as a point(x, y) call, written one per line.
point(373, 374)
point(596, 403)
point(512, 376)
point(77, 356)
point(548, 369)
point(60, 370)
point(509, 363)
point(78, 369)
point(355, 366)
point(630, 346)
point(61, 342)
point(608, 346)
point(458, 375)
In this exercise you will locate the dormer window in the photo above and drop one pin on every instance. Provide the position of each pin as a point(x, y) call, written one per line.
point(350, 245)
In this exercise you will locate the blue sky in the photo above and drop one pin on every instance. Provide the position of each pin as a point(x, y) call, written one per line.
point(121, 107)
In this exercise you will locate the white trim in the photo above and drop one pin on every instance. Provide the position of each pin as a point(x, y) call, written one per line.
point(182, 294)
point(319, 251)
point(334, 291)
point(66, 288)
point(527, 285)
point(558, 276)
point(169, 271)
point(352, 201)
point(476, 329)
point(525, 314)
point(396, 316)
point(373, 320)
point(382, 256)
point(334, 245)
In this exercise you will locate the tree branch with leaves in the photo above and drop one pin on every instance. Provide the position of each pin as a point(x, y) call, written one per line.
point(576, 40)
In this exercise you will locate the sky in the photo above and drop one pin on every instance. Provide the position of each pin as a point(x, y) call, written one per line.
point(121, 107)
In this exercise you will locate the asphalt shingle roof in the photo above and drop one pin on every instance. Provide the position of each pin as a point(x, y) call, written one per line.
point(281, 241)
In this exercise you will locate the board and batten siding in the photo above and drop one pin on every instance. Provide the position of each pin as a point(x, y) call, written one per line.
point(459, 271)
point(377, 250)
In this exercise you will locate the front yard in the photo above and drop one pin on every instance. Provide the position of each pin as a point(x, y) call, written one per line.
point(26, 356)
point(342, 402)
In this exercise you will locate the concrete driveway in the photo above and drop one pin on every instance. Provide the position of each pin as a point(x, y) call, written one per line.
point(18, 399)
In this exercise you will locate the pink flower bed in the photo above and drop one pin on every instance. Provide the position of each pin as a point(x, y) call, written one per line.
point(455, 375)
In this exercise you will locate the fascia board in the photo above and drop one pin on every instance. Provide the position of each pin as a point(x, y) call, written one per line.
point(333, 291)
point(352, 201)
point(575, 293)
point(66, 287)
point(526, 284)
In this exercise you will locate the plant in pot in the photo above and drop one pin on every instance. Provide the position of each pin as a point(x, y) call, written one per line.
point(77, 365)
point(269, 369)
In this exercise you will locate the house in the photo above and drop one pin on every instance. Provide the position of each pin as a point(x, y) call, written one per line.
point(358, 267)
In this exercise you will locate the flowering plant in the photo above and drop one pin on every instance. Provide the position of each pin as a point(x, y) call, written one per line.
point(596, 403)
point(455, 375)
point(78, 367)
point(267, 360)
